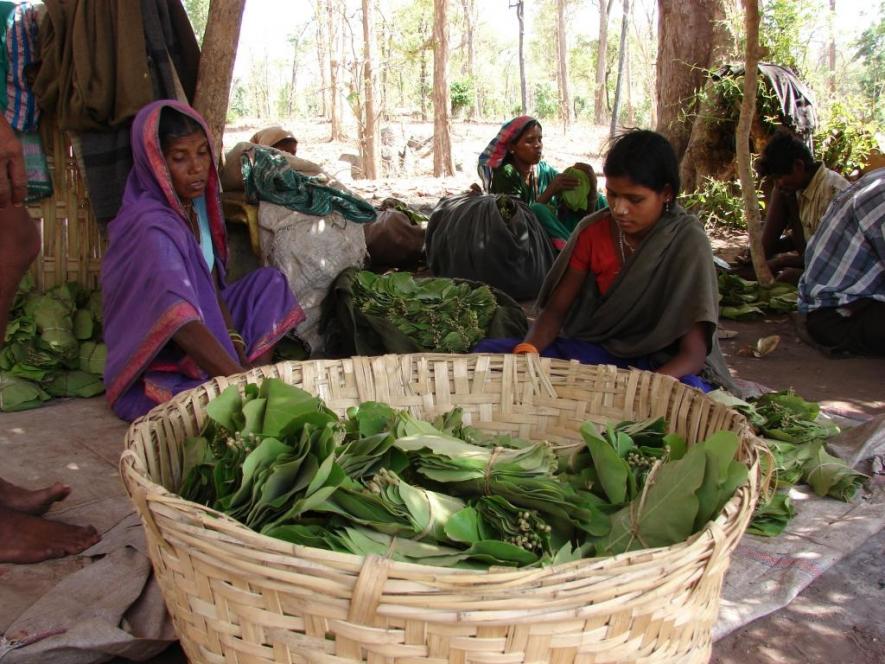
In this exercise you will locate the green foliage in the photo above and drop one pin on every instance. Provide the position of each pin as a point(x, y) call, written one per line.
point(718, 203)
point(462, 94)
point(871, 49)
point(740, 299)
point(438, 314)
point(238, 105)
point(546, 100)
point(198, 13)
point(52, 346)
point(844, 143)
point(781, 26)
point(380, 481)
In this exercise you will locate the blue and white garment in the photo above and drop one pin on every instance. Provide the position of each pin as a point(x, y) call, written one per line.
point(845, 258)
point(205, 232)
point(21, 51)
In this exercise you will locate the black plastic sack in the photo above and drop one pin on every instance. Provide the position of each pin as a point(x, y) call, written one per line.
point(494, 239)
point(347, 331)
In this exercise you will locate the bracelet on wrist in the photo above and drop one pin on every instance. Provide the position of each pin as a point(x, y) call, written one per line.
point(525, 347)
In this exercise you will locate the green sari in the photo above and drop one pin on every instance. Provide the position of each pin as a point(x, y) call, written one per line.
point(558, 221)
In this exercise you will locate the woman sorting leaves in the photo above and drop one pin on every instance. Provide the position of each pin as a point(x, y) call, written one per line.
point(636, 285)
point(511, 164)
point(170, 319)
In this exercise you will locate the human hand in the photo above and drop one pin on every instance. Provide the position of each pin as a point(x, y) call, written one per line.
point(13, 180)
point(564, 182)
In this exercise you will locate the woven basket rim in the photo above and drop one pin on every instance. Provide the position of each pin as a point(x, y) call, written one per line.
point(141, 488)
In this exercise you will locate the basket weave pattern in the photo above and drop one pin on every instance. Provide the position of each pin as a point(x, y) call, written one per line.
point(238, 596)
point(72, 242)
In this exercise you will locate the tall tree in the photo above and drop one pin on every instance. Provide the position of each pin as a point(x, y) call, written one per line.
point(520, 17)
point(831, 50)
point(564, 98)
point(470, 20)
point(599, 98)
point(622, 58)
point(333, 34)
point(217, 65)
point(371, 151)
point(742, 141)
point(442, 125)
point(319, 13)
point(690, 32)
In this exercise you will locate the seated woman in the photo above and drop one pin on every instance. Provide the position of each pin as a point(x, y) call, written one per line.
point(276, 137)
point(170, 320)
point(636, 285)
point(511, 164)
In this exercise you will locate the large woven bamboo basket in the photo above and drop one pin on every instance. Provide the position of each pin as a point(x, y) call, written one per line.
point(238, 596)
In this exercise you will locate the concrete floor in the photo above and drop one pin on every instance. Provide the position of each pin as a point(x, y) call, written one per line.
point(839, 618)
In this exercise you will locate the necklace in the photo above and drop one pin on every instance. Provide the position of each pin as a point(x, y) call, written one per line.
point(622, 241)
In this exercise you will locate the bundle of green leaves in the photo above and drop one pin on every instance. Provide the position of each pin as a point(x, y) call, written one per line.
point(445, 493)
point(796, 435)
point(52, 347)
point(439, 314)
point(740, 299)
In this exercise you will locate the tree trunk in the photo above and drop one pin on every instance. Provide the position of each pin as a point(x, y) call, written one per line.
point(599, 102)
point(217, 65)
point(371, 150)
point(691, 37)
point(622, 57)
point(321, 44)
point(423, 95)
point(470, 28)
point(831, 54)
point(520, 16)
point(442, 127)
point(334, 48)
point(742, 141)
point(564, 99)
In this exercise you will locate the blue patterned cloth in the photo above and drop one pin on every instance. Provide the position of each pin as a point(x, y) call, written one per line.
point(845, 258)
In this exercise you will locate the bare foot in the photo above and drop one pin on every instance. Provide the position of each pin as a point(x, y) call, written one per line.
point(31, 502)
point(25, 538)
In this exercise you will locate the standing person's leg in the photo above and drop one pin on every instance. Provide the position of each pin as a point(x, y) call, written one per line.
point(25, 537)
point(19, 246)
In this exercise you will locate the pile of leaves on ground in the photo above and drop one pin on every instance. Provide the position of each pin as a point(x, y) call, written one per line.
point(380, 481)
point(439, 314)
point(53, 346)
point(740, 299)
point(796, 434)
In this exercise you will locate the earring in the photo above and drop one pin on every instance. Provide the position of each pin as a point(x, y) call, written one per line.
point(667, 206)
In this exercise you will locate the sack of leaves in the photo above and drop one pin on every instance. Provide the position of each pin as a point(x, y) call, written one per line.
point(370, 314)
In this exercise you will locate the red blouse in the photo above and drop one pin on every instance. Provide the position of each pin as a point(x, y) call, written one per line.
point(596, 252)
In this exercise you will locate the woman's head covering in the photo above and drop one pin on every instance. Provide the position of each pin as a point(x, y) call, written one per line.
point(496, 151)
point(150, 180)
point(154, 278)
point(270, 136)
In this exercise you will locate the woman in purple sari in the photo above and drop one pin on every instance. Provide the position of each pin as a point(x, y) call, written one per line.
point(171, 321)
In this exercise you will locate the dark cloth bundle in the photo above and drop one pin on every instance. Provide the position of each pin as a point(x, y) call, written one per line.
point(493, 239)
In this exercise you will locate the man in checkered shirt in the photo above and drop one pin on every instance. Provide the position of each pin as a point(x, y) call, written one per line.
point(842, 291)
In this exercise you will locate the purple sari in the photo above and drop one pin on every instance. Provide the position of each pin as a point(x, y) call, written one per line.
point(155, 280)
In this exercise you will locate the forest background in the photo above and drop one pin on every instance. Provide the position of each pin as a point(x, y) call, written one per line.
point(302, 64)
